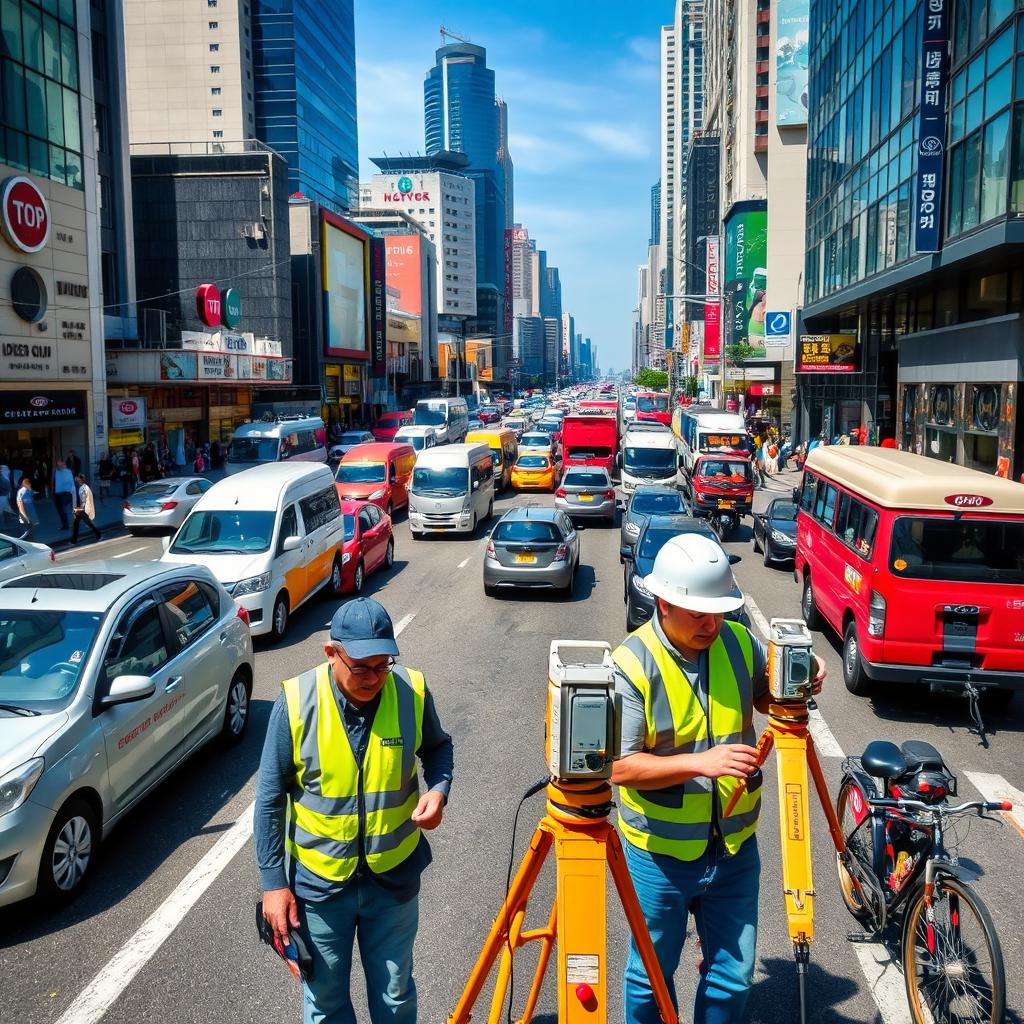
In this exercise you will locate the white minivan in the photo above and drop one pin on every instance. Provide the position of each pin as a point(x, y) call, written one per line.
point(272, 536)
point(452, 489)
point(285, 439)
point(448, 416)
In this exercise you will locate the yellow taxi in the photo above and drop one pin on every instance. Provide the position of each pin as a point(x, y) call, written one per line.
point(535, 471)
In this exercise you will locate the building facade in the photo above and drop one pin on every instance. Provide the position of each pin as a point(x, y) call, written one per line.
point(921, 307)
point(505, 160)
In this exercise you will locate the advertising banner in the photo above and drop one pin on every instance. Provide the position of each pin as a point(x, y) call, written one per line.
point(378, 308)
point(746, 279)
point(791, 61)
point(712, 310)
point(178, 366)
point(217, 366)
point(931, 129)
point(127, 413)
point(345, 272)
point(405, 272)
point(828, 353)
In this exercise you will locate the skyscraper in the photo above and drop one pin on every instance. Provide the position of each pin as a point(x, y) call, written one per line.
point(460, 114)
point(505, 159)
point(655, 238)
point(305, 89)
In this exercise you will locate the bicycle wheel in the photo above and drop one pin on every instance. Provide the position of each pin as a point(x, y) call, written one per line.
point(953, 965)
point(858, 846)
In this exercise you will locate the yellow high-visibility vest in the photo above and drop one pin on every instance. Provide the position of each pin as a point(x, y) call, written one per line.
point(676, 820)
point(331, 799)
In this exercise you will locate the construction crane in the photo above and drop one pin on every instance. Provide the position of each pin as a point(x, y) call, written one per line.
point(448, 34)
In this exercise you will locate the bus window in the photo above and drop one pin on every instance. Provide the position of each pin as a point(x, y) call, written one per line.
point(825, 506)
point(807, 496)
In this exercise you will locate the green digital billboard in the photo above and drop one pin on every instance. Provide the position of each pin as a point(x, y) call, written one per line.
point(746, 275)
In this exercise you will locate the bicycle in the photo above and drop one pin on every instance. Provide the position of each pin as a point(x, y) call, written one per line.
point(896, 869)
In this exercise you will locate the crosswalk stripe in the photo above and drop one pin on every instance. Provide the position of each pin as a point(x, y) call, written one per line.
point(995, 787)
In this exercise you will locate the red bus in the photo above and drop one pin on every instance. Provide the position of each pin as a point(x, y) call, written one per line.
point(918, 566)
point(653, 406)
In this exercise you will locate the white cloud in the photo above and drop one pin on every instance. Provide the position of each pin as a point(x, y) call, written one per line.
point(645, 48)
point(621, 140)
point(390, 99)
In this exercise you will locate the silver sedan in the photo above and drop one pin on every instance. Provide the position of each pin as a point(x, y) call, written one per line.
point(163, 504)
point(532, 548)
point(586, 492)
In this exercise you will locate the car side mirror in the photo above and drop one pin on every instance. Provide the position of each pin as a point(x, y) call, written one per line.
point(618, 459)
point(626, 551)
point(291, 543)
point(127, 689)
point(733, 559)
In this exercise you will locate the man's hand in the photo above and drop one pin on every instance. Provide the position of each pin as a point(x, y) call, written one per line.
point(282, 913)
point(819, 676)
point(735, 759)
point(429, 810)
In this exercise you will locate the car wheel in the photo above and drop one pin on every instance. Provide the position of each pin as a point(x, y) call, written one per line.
point(359, 578)
point(808, 609)
point(390, 510)
point(279, 617)
point(389, 555)
point(416, 534)
point(68, 854)
point(134, 531)
point(568, 589)
point(336, 579)
point(854, 675)
point(768, 552)
point(490, 591)
point(236, 711)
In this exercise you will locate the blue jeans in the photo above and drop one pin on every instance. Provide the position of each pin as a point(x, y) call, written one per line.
point(721, 892)
point(386, 930)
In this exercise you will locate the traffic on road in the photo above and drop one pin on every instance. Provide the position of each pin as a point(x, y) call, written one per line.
point(152, 685)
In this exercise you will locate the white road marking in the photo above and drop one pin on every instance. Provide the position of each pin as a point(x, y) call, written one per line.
point(133, 551)
point(995, 787)
point(757, 617)
point(885, 982)
point(403, 622)
point(99, 995)
point(463, 564)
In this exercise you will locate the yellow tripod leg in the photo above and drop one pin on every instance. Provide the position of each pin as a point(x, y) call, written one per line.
point(797, 873)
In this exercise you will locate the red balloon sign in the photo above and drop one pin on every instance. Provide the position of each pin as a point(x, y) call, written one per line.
point(208, 304)
point(26, 214)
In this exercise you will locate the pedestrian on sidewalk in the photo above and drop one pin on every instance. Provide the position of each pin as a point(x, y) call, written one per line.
point(27, 505)
point(73, 462)
point(106, 474)
point(63, 493)
point(85, 510)
point(344, 737)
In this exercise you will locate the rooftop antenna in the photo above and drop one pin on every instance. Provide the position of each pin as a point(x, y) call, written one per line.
point(447, 33)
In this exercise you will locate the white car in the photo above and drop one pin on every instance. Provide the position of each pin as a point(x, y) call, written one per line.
point(347, 442)
point(163, 504)
point(18, 557)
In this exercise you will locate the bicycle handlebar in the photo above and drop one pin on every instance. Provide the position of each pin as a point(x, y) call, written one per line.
point(920, 805)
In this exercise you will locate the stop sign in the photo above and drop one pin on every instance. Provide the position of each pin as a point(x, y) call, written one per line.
point(26, 215)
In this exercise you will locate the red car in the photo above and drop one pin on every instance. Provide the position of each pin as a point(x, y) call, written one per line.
point(389, 424)
point(489, 413)
point(369, 544)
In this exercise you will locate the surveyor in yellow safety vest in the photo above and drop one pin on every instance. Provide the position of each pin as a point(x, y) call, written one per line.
point(338, 793)
point(690, 680)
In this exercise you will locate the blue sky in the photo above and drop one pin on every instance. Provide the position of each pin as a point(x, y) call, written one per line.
point(581, 83)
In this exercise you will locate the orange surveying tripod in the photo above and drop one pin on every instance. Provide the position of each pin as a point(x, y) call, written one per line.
point(580, 753)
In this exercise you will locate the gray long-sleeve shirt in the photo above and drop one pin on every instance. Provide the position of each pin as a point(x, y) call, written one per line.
point(276, 779)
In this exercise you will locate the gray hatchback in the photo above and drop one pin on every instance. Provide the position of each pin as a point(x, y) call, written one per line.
point(534, 548)
point(111, 674)
point(586, 492)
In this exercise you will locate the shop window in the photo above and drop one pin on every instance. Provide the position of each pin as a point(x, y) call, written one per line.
point(1017, 164)
point(971, 199)
point(940, 444)
point(981, 451)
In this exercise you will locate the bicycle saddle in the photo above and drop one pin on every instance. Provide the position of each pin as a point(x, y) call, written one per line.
point(921, 756)
point(883, 760)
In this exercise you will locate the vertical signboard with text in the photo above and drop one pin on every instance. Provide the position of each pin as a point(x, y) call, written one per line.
point(746, 275)
point(378, 308)
point(712, 310)
point(931, 131)
point(792, 60)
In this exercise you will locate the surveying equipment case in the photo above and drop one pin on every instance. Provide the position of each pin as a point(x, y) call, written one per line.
point(790, 660)
point(584, 711)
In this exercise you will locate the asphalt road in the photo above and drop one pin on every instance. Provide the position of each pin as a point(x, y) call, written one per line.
point(485, 660)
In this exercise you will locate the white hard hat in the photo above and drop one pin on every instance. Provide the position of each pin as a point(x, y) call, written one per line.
point(693, 572)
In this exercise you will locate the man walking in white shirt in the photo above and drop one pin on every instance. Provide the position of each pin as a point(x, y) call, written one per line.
point(85, 510)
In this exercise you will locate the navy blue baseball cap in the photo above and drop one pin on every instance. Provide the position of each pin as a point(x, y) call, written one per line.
point(364, 629)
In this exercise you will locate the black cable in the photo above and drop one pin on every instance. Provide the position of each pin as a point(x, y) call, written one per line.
point(532, 791)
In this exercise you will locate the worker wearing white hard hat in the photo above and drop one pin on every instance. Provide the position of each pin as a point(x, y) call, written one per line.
point(690, 680)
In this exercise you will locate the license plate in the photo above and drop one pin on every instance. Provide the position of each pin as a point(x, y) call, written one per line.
point(586, 497)
point(726, 504)
point(526, 559)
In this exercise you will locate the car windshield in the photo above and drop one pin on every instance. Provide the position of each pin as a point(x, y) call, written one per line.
point(41, 657)
point(549, 426)
point(533, 462)
point(578, 478)
point(352, 438)
point(725, 472)
point(533, 441)
point(360, 473)
point(417, 441)
point(657, 504)
point(659, 403)
point(427, 416)
point(391, 419)
point(653, 541)
point(441, 482)
point(967, 551)
point(253, 449)
point(350, 526)
point(784, 511)
point(520, 531)
point(653, 461)
point(216, 532)
point(155, 491)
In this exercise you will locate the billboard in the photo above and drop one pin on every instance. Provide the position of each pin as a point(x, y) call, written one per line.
point(827, 353)
point(931, 128)
point(791, 61)
point(344, 253)
point(405, 271)
point(712, 310)
point(378, 308)
point(746, 278)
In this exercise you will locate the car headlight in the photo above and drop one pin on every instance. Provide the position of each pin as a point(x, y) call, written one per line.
point(16, 785)
point(631, 527)
point(638, 586)
point(253, 585)
point(781, 538)
point(377, 494)
point(346, 558)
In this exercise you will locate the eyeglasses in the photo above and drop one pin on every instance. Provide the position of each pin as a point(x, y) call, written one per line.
point(365, 671)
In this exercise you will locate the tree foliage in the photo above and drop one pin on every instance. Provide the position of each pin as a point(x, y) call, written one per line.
point(653, 380)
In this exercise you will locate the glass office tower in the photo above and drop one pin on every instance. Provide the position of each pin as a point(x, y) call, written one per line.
point(305, 86)
point(938, 335)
